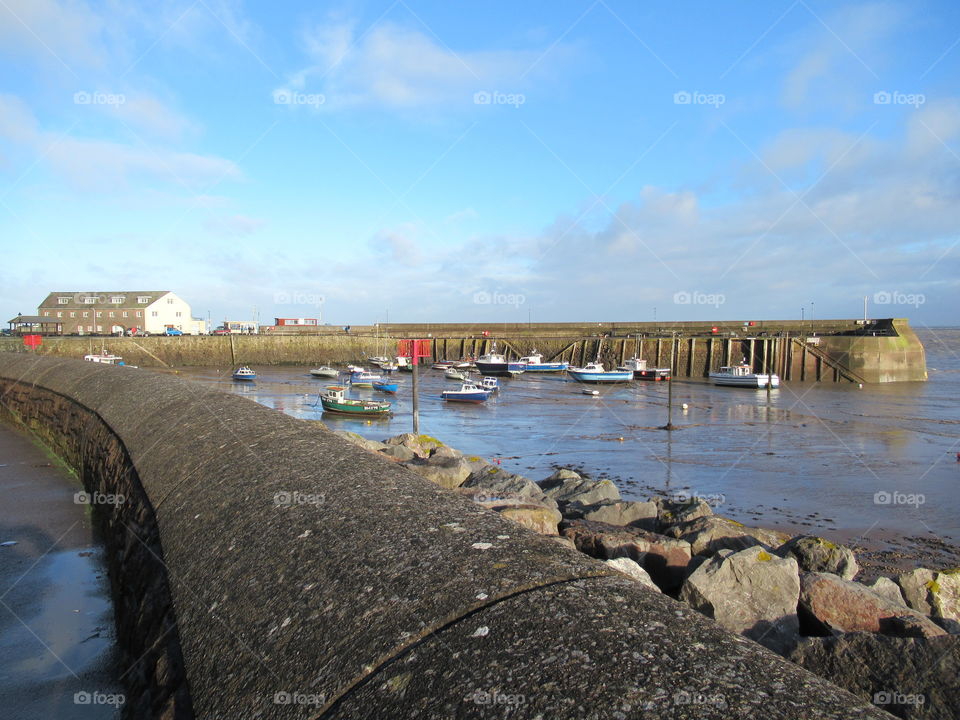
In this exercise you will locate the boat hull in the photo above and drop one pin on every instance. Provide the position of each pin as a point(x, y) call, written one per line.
point(547, 367)
point(652, 374)
point(504, 369)
point(465, 397)
point(364, 410)
point(386, 387)
point(612, 376)
point(746, 381)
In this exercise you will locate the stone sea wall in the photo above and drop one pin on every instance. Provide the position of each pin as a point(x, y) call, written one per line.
point(296, 575)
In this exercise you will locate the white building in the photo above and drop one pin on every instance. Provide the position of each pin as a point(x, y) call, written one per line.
point(112, 312)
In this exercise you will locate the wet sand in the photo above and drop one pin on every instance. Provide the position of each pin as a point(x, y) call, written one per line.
point(57, 647)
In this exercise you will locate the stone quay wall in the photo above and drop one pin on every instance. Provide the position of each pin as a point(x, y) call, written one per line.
point(286, 573)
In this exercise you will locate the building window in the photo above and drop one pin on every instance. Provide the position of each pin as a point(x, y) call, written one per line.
point(139, 313)
point(112, 314)
point(46, 313)
point(99, 313)
point(178, 314)
point(89, 328)
point(143, 299)
point(99, 328)
point(86, 313)
point(153, 313)
point(124, 313)
point(90, 300)
point(63, 300)
point(116, 300)
point(59, 314)
point(169, 301)
point(73, 314)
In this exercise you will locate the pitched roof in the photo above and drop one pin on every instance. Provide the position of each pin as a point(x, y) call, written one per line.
point(103, 297)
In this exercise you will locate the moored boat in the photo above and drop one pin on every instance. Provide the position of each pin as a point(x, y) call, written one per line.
point(378, 360)
point(442, 365)
point(490, 383)
point(469, 392)
point(493, 363)
point(334, 400)
point(451, 373)
point(534, 363)
point(244, 373)
point(364, 379)
point(590, 391)
point(387, 387)
point(654, 374)
point(594, 373)
point(104, 358)
point(325, 371)
point(742, 375)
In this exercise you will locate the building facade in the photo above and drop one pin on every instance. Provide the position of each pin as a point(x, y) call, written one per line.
point(110, 313)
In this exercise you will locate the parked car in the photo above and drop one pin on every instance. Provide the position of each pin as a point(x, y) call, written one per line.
point(137, 332)
point(172, 331)
point(221, 331)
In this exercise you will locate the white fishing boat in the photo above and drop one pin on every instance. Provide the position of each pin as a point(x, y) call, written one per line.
point(493, 363)
point(490, 383)
point(244, 373)
point(594, 373)
point(325, 371)
point(451, 373)
point(742, 375)
point(378, 360)
point(634, 365)
point(364, 379)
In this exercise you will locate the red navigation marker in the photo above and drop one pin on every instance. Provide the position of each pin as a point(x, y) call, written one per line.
point(33, 341)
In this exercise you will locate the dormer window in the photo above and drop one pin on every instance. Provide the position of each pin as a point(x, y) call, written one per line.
point(63, 300)
point(116, 300)
point(90, 299)
point(143, 299)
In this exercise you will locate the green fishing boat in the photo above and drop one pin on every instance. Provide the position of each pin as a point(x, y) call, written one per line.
point(334, 399)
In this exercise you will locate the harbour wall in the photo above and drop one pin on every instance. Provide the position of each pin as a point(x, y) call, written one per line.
point(265, 567)
point(825, 350)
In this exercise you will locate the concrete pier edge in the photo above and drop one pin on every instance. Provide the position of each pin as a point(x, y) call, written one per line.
point(291, 574)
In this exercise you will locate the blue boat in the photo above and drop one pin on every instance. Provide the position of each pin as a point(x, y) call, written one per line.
point(469, 392)
point(535, 363)
point(387, 387)
point(594, 373)
point(244, 373)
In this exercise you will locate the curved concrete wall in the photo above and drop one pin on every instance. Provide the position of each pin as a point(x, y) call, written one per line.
point(309, 578)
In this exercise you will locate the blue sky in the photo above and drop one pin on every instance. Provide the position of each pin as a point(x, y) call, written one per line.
point(485, 162)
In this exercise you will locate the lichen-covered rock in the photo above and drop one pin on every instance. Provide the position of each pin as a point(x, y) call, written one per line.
point(752, 592)
point(447, 472)
point(911, 678)
point(709, 534)
point(932, 592)
point(421, 445)
point(664, 558)
point(817, 554)
point(616, 512)
point(562, 474)
point(496, 481)
point(632, 570)
point(581, 490)
point(356, 439)
point(538, 518)
point(832, 604)
point(675, 510)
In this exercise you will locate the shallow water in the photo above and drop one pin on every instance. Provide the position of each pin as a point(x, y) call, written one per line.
point(873, 462)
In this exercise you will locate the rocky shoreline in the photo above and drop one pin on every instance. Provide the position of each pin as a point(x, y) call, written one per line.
point(892, 640)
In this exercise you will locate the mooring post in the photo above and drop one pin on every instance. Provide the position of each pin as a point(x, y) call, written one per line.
point(416, 393)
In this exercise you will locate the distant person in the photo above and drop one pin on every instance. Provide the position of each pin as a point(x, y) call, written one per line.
point(347, 329)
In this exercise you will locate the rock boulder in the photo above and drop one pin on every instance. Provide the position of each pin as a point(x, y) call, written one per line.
point(709, 534)
point(752, 592)
point(581, 490)
point(816, 554)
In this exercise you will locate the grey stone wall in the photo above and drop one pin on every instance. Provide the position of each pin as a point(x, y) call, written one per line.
point(308, 578)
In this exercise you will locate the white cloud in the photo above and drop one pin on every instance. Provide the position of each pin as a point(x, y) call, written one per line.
point(234, 225)
point(91, 164)
point(395, 67)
